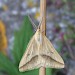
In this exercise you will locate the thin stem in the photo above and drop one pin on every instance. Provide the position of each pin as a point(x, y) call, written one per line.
point(43, 12)
point(42, 70)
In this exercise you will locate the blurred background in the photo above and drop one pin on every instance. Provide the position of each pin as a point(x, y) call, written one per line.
point(16, 31)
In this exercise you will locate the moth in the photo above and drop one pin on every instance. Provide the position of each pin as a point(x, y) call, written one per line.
point(40, 53)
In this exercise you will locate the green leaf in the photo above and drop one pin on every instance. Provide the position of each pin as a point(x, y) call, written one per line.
point(22, 38)
point(32, 72)
point(7, 66)
point(48, 71)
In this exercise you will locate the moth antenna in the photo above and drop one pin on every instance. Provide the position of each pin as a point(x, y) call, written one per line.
point(40, 21)
point(35, 27)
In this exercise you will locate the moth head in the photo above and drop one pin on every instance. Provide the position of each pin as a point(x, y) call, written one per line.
point(38, 31)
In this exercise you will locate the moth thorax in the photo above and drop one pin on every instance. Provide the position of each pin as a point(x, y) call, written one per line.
point(38, 38)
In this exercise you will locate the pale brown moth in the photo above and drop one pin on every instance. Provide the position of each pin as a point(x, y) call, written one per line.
point(40, 53)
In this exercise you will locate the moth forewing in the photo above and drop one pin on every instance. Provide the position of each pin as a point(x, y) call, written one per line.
point(53, 53)
point(31, 52)
point(27, 53)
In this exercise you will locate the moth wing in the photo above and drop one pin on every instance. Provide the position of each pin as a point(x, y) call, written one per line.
point(48, 62)
point(50, 55)
point(29, 58)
